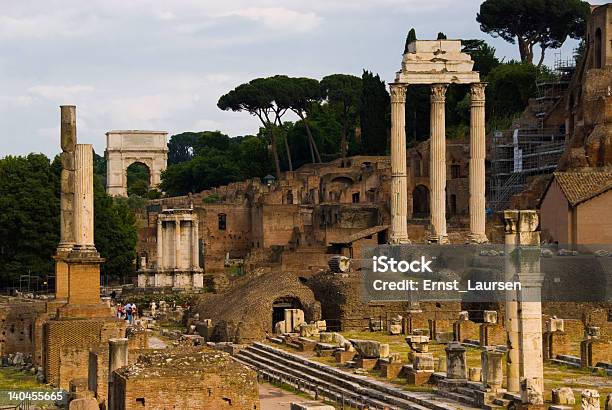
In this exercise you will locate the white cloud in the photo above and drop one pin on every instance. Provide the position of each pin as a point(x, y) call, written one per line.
point(60, 92)
point(278, 18)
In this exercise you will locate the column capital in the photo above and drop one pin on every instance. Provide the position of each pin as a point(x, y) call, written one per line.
point(438, 92)
point(398, 92)
point(477, 92)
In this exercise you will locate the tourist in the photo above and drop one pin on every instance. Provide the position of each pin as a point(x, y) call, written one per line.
point(128, 312)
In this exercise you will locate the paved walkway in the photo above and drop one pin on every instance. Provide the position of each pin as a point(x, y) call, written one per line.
point(273, 398)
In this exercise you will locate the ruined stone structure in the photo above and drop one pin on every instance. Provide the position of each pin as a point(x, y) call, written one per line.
point(438, 63)
point(124, 148)
point(188, 379)
point(177, 262)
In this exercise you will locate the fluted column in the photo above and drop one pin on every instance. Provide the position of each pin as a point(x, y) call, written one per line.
point(437, 164)
point(83, 198)
point(195, 249)
point(160, 245)
point(177, 243)
point(399, 179)
point(477, 164)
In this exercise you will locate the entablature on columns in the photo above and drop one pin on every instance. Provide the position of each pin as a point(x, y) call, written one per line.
point(172, 215)
point(436, 62)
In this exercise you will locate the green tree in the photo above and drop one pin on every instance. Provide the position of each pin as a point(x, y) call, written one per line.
point(264, 98)
point(138, 177)
point(303, 94)
point(482, 54)
point(29, 217)
point(546, 23)
point(410, 38)
point(181, 146)
point(441, 36)
point(343, 92)
point(374, 114)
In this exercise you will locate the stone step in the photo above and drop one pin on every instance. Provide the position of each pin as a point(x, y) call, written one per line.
point(502, 402)
point(568, 358)
point(564, 363)
point(461, 398)
point(335, 378)
point(349, 396)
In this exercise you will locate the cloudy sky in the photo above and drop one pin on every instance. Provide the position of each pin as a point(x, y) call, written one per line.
point(159, 64)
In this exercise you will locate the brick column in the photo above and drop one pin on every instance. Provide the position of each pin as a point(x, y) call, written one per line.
point(399, 179)
point(437, 164)
point(477, 165)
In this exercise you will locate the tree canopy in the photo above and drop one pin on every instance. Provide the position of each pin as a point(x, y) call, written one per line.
point(343, 93)
point(546, 23)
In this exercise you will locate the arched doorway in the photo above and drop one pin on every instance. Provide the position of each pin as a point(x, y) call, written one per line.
point(138, 177)
point(279, 306)
point(420, 202)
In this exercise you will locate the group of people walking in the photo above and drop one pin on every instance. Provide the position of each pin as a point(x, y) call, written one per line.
point(128, 312)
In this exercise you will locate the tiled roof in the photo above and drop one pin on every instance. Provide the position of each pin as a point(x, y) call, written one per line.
point(580, 186)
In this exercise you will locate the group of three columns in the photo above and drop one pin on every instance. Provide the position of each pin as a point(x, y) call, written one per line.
point(437, 165)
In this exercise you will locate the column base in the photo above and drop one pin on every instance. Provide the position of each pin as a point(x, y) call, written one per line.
point(477, 238)
point(400, 241)
point(439, 239)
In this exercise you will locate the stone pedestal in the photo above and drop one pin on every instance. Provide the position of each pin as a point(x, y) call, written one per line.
point(390, 371)
point(437, 164)
point(422, 369)
point(492, 369)
point(477, 165)
point(456, 365)
point(342, 356)
point(399, 177)
point(366, 363)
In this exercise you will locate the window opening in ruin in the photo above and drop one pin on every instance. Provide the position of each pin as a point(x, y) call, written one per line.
point(222, 222)
point(453, 204)
point(228, 400)
point(455, 171)
point(356, 197)
point(598, 48)
point(140, 401)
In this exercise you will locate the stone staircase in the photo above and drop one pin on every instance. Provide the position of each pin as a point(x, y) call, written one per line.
point(340, 386)
point(472, 394)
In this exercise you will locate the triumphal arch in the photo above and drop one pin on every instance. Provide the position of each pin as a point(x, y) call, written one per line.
point(437, 63)
point(124, 148)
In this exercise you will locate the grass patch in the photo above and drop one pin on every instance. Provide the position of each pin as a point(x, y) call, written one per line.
point(13, 379)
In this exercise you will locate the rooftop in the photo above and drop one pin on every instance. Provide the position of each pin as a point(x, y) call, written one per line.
point(581, 186)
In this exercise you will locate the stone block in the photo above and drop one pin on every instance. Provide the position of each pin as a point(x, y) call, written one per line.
point(390, 371)
point(423, 361)
point(85, 403)
point(395, 329)
point(554, 325)
point(563, 395)
point(370, 349)
point(456, 367)
point(309, 330)
point(418, 377)
point(464, 316)
point(490, 316)
point(474, 374)
point(324, 349)
point(342, 356)
point(589, 400)
point(306, 345)
point(366, 363)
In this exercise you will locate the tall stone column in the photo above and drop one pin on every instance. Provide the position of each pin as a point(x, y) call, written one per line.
point(437, 164)
point(68, 144)
point(67, 235)
point(83, 198)
point(511, 240)
point(195, 257)
point(177, 243)
point(477, 164)
point(160, 244)
point(399, 178)
point(523, 255)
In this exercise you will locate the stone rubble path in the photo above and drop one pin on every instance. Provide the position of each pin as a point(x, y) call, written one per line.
point(156, 343)
point(274, 398)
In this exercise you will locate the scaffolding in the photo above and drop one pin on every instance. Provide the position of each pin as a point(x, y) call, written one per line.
point(518, 155)
point(521, 153)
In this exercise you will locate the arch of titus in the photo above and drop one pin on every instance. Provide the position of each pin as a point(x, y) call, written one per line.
point(438, 63)
point(123, 148)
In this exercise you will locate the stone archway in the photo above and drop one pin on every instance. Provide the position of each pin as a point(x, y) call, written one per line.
point(420, 202)
point(124, 148)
